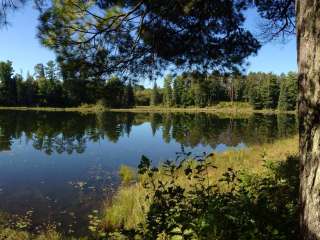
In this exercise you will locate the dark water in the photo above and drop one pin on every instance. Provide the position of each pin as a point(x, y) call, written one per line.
point(62, 165)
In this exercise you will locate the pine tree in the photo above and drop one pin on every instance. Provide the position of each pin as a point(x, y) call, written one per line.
point(283, 97)
point(114, 95)
point(130, 99)
point(155, 95)
point(200, 91)
point(274, 90)
point(177, 89)
point(288, 92)
point(292, 89)
point(8, 89)
point(269, 90)
point(167, 91)
point(21, 90)
point(255, 90)
point(31, 90)
point(187, 98)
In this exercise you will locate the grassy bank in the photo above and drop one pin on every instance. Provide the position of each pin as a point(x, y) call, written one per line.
point(130, 206)
point(223, 107)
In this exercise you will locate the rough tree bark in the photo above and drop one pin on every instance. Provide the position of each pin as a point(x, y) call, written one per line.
point(308, 47)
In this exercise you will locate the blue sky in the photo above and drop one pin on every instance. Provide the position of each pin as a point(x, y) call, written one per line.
point(19, 44)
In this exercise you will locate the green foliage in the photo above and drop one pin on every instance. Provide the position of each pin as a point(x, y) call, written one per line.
point(263, 90)
point(155, 96)
point(129, 95)
point(204, 90)
point(49, 87)
point(145, 37)
point(288, 92)
point(239, 206)
point(63, 86)
point(167, 91)
point(54, 87)
point(7, 84)
point(114, 92)
point(143, 97)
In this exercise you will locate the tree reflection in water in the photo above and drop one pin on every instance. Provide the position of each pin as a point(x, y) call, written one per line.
point(63, 165)
point(60, 132)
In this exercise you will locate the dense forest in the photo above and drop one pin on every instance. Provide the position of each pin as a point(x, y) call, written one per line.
point(49, 86)
point(261, 90)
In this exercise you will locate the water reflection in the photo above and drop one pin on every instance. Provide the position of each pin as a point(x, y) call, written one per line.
point(62, 165)
point(57, 132)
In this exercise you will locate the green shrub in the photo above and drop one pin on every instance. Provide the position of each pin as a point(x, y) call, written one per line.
point(238, 206)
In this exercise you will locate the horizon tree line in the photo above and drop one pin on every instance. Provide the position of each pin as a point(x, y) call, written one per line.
point(261, 90)
point(49, 86)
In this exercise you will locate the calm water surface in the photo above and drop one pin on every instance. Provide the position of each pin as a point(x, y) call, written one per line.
point(63, 165)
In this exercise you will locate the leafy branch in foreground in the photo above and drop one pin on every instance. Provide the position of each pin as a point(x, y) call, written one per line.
point(145, 37)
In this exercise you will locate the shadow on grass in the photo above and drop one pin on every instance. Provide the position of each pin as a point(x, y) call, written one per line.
point(184, 203)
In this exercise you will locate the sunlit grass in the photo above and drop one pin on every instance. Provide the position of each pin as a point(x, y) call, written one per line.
point(221, 108)
point(129, 205)
point(127, 209)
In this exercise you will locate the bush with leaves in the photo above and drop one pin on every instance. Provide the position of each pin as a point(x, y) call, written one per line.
point(238, 206)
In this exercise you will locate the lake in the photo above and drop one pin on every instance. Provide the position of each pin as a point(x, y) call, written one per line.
point(63, 165)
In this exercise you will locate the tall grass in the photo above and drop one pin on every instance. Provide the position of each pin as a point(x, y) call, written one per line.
point(129, 206)
point(127, 209)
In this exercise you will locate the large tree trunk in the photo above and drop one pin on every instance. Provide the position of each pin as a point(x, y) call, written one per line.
point(308, 39)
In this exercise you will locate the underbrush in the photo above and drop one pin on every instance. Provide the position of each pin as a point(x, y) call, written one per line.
point(181, 200)
point(237, 206)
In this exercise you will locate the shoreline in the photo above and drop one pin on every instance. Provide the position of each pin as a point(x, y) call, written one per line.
point(146, 109)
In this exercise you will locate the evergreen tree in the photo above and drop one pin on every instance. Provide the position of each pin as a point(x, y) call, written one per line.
point(239, 84)
point(187, 98)
point(53, 92)
point(199, 90)
point(217, 90)
point(39, 71)
point(42, 84)
point(282, 104)
point(274, 90)
point(155, 96)
point(292, 87)
point(187, 89)
point(51, 71)
point(21, 90)
point(30, 90)
point(115, 93)
point(8, 93)
point(288, 92)
point(255, 90)
point(269, 90)
point(177, 90)
point(167, 91)
point(129, 96)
